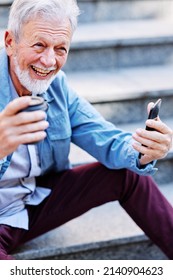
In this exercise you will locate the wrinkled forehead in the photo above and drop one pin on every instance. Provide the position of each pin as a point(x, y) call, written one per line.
point(53, 27)
point(41, 19)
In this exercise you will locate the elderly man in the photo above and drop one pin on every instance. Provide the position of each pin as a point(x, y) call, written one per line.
point(38, 188)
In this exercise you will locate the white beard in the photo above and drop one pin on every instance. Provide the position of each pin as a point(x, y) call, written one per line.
point(32, 85)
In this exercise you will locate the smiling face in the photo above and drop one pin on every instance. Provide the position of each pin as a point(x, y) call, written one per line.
point(41, 52)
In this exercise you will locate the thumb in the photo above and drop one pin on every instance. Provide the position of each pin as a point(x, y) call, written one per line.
point(150, 106)
point(16, 105)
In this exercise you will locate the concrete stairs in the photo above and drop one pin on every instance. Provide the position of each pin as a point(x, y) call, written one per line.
point(121, 58)
point(117, 45)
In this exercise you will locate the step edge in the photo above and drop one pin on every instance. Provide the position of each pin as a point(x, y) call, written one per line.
point(50, 252)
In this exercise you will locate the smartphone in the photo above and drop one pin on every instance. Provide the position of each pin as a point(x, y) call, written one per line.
point(154, 113)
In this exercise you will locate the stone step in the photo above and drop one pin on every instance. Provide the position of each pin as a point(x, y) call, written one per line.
point(4, 12)
point(101, 10)
point(1, 37)
point(122, 95)
point(105, 232)
point(5, 2)
point(106, 10)
point(115, 45)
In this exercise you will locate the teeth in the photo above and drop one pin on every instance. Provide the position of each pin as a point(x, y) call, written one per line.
point(40, 71)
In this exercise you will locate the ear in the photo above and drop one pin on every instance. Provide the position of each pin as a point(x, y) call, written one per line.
point(9, 42)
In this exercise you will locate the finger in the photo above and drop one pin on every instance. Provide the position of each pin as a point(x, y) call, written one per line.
point(28, 117)
point(32, 137)
point(146, 146)
point(145, 160)
point(159, 126)
point(16, 105)
point(31, 127)
point(144, 151)
point(146, 137)
point(151, 153)
point(12, 140)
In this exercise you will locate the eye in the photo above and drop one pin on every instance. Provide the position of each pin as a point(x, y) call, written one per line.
point(38, 46)
point(61, 50)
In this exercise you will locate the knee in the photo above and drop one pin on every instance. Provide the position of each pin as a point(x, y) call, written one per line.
point(132, 183)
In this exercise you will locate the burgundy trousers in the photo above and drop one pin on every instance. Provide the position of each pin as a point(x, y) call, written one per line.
point(76, 191)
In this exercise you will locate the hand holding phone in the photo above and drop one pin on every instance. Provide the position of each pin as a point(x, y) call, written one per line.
point(154, 113)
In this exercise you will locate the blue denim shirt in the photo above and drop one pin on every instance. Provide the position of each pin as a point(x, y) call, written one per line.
point(73, 119)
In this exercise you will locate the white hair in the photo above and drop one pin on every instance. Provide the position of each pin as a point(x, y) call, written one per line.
point(24, 10)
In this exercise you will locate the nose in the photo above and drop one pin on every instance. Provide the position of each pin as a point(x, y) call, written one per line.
point(48, 58)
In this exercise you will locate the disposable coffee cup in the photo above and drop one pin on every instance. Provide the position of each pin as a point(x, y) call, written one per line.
point(37, 103)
